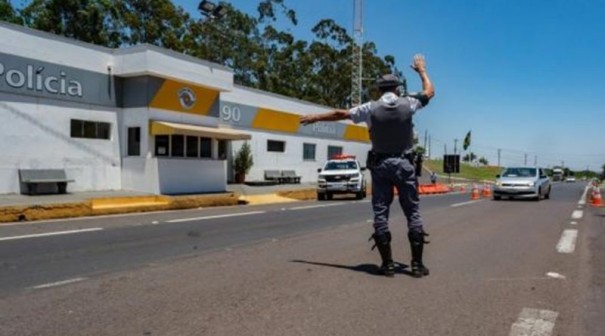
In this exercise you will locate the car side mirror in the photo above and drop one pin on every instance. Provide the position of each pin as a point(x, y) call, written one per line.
point(319, 170)
point(363, 168)
point(498, 176)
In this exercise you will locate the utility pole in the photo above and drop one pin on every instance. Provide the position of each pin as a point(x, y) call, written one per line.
point(455, 146)
point(525, 161)
point(357, 57)
point(444, 149)
point(430, 146)
point(426, 132)
point(499, 150)
point(535, 160)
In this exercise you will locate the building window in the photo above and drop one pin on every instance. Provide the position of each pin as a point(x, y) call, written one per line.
point(333, 151)
point(308, 151)
point(90, 129)
point(276, 146)
point(206, 147)
point(192, 147)
point(222, 149)
point(134, 141)
point(177, 145)
point(162, 143)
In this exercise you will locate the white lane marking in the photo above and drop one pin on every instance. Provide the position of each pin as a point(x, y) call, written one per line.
point(59, 283)
point(50, 234)
point(577, 214)
point(555, 275)
point(573, 223)
point(583, 198)
point(534, 322)
point(213, 217)
point(567, 243)
point(463, 203)
point(315, 206)
point(155, 222)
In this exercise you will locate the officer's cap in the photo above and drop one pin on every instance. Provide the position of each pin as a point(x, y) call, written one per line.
point(388, 81)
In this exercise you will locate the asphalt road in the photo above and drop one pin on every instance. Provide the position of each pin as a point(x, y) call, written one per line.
point(497, 268)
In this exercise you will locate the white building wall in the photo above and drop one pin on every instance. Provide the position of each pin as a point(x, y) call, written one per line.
point(30, 43)
point(150, 60)
point(292, 158)
point(35, 134)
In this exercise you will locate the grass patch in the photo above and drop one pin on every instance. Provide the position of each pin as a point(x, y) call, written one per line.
point(466, 171)
point(301, 195)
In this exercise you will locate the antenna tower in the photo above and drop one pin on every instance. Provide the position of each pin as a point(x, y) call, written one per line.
point(357, 63)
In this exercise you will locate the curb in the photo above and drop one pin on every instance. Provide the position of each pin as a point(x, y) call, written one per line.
point(111, 206)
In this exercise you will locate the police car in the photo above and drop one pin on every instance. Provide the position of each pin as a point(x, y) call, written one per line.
point(342, 174)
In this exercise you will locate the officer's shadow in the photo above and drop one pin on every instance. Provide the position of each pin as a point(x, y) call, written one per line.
point(365, 268)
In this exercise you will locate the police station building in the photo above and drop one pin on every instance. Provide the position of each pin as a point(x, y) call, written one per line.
point(146, 119)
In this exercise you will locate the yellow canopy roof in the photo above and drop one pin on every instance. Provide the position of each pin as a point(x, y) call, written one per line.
point(169, 128)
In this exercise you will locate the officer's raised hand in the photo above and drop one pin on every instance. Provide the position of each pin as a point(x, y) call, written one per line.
point(419, 65)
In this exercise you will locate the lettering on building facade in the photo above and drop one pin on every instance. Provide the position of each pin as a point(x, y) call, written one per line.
point(34, 78)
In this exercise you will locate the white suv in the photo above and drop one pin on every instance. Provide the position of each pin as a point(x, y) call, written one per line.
point(341, 175)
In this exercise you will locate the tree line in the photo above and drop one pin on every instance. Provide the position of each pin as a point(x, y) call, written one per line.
point(261, 55)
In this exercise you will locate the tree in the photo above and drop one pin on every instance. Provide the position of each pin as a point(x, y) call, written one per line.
point(93, 21)
point(243, 162)
point(483, 161)
point(261, 55)
point(470, 157)
point(8, 13)
point(156, 22)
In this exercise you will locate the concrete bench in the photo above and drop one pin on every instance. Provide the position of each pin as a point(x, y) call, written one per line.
point(274, 175)
point(32, 177)
point(290, 176)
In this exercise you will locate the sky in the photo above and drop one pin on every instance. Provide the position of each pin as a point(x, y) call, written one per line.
point(527, 77)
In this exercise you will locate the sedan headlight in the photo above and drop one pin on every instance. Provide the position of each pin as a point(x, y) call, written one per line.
point(498, 184)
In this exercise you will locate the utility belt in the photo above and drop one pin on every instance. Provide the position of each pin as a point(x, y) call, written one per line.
point(374, 158)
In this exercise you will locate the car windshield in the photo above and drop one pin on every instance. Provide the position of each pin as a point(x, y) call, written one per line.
point(340, 165)
point(519, 172)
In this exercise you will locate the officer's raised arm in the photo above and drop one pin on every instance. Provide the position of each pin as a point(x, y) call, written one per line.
point(329, 116)
point(357, 114)
point(428, 90)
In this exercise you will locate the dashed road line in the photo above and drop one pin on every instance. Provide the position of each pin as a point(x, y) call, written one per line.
point(464, 203)
point(47, 234)
point(567, 243)
point(577, 214)
point(573, 223)
point(534, 322)
point(59, 283)
point(555, 275)
point(316, 206)
point(214, 217)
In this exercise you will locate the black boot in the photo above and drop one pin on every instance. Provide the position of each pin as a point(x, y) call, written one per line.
point(383, 242)
point(417, 245)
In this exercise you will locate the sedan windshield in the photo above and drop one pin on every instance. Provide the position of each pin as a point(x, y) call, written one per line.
point(341, 165)
point(519, 172)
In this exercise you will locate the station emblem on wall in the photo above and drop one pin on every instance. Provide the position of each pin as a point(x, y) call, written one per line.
point(186, 98)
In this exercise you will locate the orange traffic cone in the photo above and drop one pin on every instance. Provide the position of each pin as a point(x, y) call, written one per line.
point(597, 201)
point(486, 190)
point(475, 193)
point(462, 189)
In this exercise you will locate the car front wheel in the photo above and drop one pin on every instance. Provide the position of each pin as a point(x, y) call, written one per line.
point(547, 195)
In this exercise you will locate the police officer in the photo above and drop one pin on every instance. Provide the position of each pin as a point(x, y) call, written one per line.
point(391, 160)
